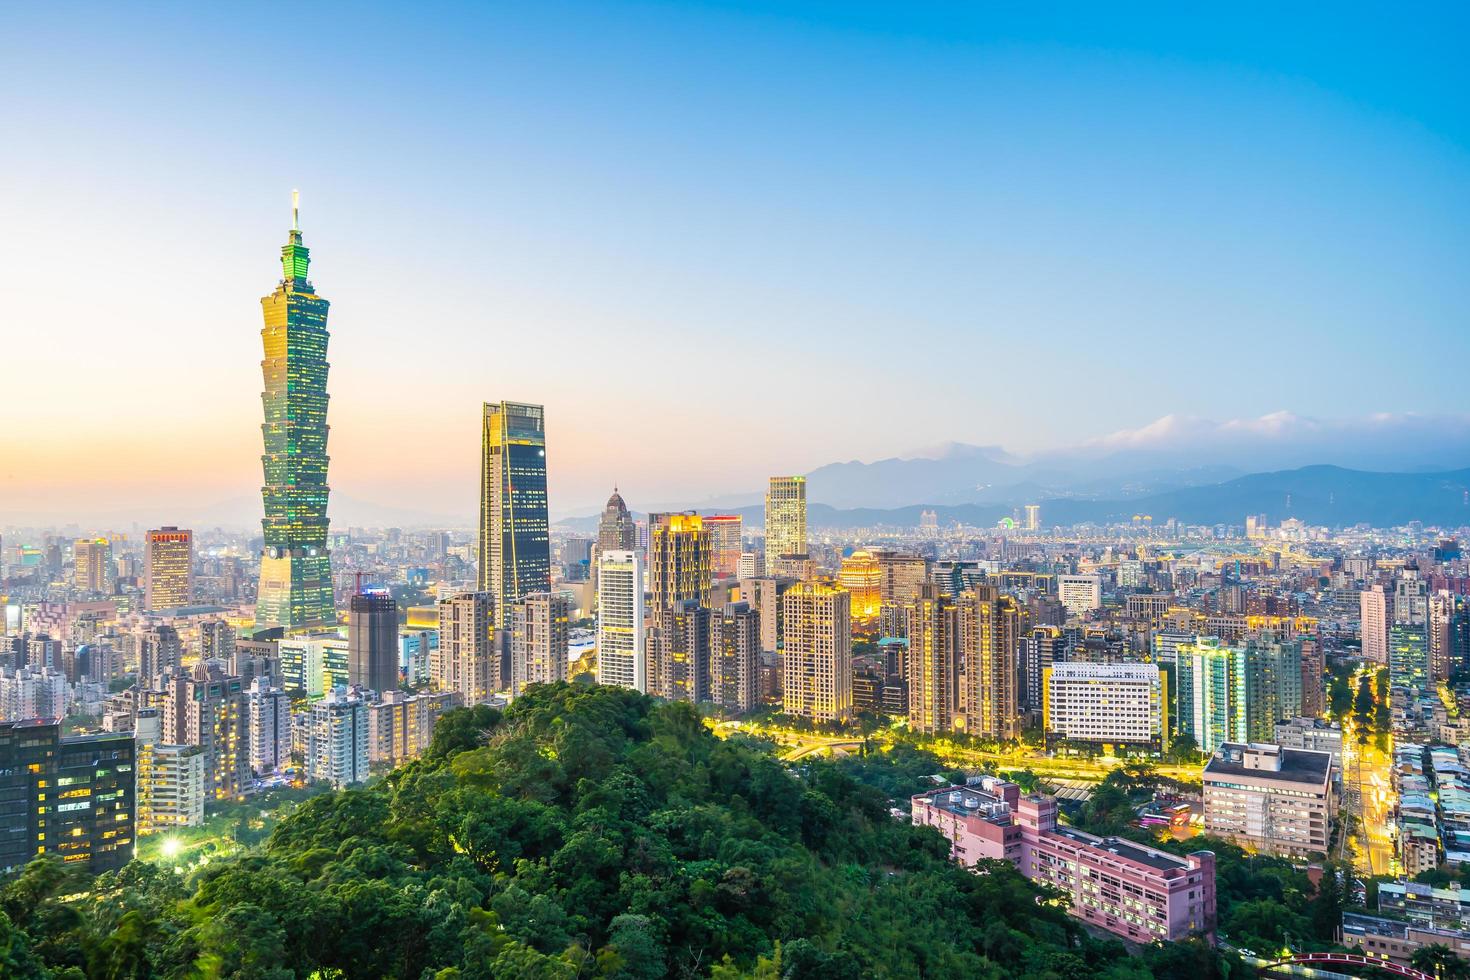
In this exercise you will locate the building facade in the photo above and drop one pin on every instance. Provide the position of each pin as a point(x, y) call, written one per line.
point(372, 641)
point(168, 565)
point(786, 539)
point(466, 661)
point(816, 655)
point(1270, 799)
point(515, 539)
point(1106, 705)
point(621, 638)
point(539, 633)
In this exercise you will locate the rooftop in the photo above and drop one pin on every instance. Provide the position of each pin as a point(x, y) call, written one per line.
point(1126, 849)
point(1270, 763)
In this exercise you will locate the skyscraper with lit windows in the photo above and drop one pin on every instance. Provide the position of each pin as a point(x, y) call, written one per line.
point(296, 567)
point(169, 568)
point(786, 543)
point(515, 540)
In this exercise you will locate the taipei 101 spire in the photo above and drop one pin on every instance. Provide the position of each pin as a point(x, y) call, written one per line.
point(295, 568)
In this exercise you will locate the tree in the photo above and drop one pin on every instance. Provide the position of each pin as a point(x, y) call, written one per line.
point(1440, 961)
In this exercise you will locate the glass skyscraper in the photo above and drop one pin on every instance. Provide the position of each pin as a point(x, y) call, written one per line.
point(515, 541)
point(295, 568)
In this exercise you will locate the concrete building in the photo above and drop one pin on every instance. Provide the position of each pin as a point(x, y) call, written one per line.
point(32, 693)
point(168, 564)
point(539, 625)
point(372, 641)
point(990, 636)
point(171, 779)
point(207, 709)
point(678, 561)
point(1274, 800)
point(933, 661)
point(1396, 941)
point(92, 560)
point(1106, 705)
point(268, 717)
point(725, 532)
point(1311, 734)
point(467, 661)
point(1079, 593)
point(816, 660)
point(786, 538)
point(679, 653)
point(401, 725)
point(337, 743)
point(1139, 893)
point(735, 646)
point(622, 654)
point(1373, 617)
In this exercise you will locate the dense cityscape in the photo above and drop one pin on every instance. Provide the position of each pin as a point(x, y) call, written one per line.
point(1118, 712)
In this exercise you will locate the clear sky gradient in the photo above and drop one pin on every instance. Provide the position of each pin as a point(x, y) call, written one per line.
point(717, 241)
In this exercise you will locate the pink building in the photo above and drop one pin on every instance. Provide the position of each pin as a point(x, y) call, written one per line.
point(1138, 892)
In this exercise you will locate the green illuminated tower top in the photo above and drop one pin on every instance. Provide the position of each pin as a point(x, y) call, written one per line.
point(295, 570)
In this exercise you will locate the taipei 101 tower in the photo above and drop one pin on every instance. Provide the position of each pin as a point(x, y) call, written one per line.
point(296, 567)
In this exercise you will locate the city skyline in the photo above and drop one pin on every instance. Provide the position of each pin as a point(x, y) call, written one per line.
point(1079, 191)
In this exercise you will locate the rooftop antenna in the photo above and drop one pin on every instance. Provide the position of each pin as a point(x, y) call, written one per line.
point(295, 210)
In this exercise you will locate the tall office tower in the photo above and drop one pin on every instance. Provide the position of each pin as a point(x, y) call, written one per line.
point(337, 739)
point(159, 650)
point(902, 576)
point(616, 530)
point(208, 709)
point(735, 646)
point(990, 637)
point(296, 566)
point(1373, 615)
point(372, 641)
point(1211, 697)
point(217, 641)
point(785, 522)
point(1273, 684)
point(168, 576)
point(37, 819)
point(679, 652)
point(1079, 593)
point(1408, 656)
point(678, 561)
point(621, 650)
point(515, 543)
point(933, 625)
point(268, 720)
point(538, 639)
point(1033, 517)
point(93, 560)
point(1410, 599)
point(1314, 684)
point(1255, 526)
point(724, 543)
point(816, 661)
point(862, 577)
point(466, 661)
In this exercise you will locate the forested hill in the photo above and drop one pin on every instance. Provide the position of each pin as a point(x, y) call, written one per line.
point(590, 832)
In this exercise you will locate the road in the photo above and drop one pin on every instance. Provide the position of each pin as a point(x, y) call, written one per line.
point(1368, 789)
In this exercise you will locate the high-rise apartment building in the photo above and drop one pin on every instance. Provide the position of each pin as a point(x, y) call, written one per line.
point(1033, 517)
point(901, 577)
point(168, 568)
point(816, 659)
point(337, 739)
point(372, 641)
point(990, 636)
point(515, 541)
point(678, 561)
point(159, 650)
point(764, 596)
point(1079, 593)
point(621, 642)
point(934, 655)
point(170, 778)
point(1273, 683)
point(466, 661)
point(89, 820)
point(539, 632)
point(735, 646)
point(786, 539)
point(1211, 695)
point(296, 566)
point(1373, 617)
point(679, 652)
point(724, 542)
point(268, 720)
point(1313, 669)
point(208, 709)
point(92, 558)
point(1408, 655)
point(401, 725)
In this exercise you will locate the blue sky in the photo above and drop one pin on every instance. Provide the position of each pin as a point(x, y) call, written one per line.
point(717, 240)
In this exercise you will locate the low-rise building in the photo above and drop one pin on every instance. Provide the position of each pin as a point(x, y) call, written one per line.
point(1271, 799)
point(1312, 735)
point(1396, 941)
point(1426, 905)
point(1134, 891)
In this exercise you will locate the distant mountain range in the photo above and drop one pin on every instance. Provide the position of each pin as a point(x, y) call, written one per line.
point(1328, 495)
